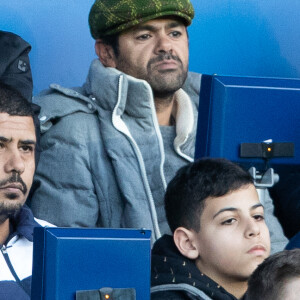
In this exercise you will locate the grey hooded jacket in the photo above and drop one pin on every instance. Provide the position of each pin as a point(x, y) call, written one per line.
point(103, 156)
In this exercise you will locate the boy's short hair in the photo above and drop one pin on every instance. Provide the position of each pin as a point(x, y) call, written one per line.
point(270, 277)
point(193, 184)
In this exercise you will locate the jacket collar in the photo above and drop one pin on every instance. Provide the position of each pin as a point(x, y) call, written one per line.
point(114, 91)
point(134, 96)
point(169, 266)
point(111, 87)
point(22, 224)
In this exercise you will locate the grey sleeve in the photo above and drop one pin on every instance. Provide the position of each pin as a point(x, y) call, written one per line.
point(73, 185)
point(278, 239)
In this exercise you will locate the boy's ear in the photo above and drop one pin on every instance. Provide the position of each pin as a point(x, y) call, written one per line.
point(184, 241)
point(105, 53)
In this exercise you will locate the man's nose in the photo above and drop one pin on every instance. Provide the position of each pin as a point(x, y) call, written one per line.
point(14, 162)
point(163, 44)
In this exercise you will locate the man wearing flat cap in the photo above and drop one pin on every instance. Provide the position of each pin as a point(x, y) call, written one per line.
point(111, 146)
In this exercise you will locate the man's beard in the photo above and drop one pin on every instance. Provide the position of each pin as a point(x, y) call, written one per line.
point(165, 82)
point(169, 81)
point(9, 206)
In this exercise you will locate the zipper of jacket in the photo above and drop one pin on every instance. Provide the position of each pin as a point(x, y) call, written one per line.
point(121, 126)
point(160, 141)
point(11, 268)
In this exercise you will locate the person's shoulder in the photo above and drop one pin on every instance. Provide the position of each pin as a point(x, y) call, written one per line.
point(68, 107)
point(57, 94)
point(192, 85)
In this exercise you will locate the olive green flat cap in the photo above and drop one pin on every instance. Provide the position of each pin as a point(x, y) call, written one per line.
point(109, 17)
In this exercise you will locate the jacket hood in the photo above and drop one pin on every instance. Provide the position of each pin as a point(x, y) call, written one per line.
point(119, 87)
point(70, 100)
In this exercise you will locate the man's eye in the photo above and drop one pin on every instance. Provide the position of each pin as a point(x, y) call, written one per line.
point(1, 145)
point(229, 221)
point(175, 34)
point(144, 37)
point(258, 217)
point(26, 149)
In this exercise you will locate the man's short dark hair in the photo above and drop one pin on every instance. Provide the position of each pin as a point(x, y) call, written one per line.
point(14, 104)
point(269, 279)
point(193, 184)
point(113, 41)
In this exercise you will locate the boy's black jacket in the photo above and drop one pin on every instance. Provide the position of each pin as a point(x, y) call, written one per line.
point(170, 267)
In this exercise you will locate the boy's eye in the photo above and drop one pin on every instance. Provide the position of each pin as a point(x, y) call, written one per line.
point(229, 221)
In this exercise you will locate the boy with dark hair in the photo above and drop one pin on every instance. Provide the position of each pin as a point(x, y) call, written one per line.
point(277, 278)
point(219, 234)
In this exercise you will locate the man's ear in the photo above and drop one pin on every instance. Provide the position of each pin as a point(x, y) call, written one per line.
point(185, 242)
point(105, 53)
